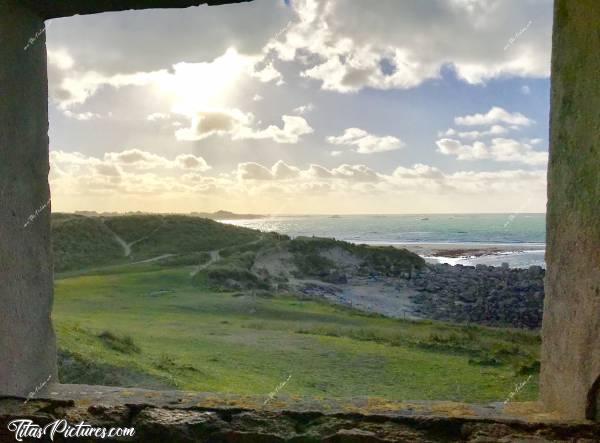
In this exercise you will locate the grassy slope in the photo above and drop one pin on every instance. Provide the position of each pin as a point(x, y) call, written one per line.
point(79, 242)
point(192, 338)
point(177, 234)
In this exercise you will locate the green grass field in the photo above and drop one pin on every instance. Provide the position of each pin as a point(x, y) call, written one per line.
point(147, 325)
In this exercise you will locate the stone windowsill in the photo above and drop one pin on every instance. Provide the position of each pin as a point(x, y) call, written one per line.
point(190, 416)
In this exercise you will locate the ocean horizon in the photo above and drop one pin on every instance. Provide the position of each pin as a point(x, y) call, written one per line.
point(515, 238)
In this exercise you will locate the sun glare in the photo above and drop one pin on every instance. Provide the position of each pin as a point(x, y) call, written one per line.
point(195, 87)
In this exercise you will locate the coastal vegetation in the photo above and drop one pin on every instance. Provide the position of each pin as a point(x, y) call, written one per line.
point(218, 312)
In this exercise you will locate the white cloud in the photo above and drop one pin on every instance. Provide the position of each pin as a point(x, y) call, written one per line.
point(472, 135)
point(189, 86)
point(60, 59)
point(366, 143)
point(240, 126)
point(493, 116)
point(355, 173)
point(157, 183)
point(525, 90)
point(267, 74)
point(418, 171)
point(82, 116)
point(293, 128)
point(283, 171)
point(217, 122)
point(348, 45)
point(107, 169)
point(501, 150)
point(136, 159)
point(304, 109)
point(256, 171)
point(191, 162)
point(156, 116)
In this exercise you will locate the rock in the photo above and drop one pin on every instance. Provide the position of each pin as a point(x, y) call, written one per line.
point(335, 277)
point(495, 296)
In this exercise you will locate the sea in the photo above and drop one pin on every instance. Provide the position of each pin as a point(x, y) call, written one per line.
point(521, 237)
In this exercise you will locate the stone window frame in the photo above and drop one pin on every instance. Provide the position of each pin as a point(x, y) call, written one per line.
point(570, 330)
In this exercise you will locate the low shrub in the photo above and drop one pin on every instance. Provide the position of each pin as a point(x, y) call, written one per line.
point(229, 278)
point(123, 344)
point(313, 264)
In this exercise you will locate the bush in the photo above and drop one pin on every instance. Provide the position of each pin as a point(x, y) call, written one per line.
point(388, 260)
point(76, 369)
point(313, 264)
point(229, 278)
point(532, 367)
point(485, 361)
point(385, 260)
point(243, 260)
point(123, 344)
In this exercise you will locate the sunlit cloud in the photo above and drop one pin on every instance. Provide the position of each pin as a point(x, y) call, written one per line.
point(500, 149)
point(493, 116)
point(366, 143)
point(189, 87)
point(143, 176)
point(386, 57)
point(240, 126)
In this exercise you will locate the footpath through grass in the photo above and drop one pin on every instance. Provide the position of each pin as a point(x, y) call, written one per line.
point(146, 325)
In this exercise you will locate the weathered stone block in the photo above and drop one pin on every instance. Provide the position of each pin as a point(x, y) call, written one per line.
point(571, 323)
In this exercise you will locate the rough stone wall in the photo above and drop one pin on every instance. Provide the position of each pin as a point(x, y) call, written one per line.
point(171, 416)
point(27, 345)
point(571, 323)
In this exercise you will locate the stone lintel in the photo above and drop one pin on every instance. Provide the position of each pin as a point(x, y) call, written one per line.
point(48, 9)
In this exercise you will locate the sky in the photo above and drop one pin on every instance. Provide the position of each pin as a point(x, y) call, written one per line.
point(303, 107)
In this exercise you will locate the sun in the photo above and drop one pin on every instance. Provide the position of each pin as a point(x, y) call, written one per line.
point(196, 87)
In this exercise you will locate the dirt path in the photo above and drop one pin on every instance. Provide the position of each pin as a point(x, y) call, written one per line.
point(214, 257)
point(127, 246)
point(154, 231)
point(153, 259)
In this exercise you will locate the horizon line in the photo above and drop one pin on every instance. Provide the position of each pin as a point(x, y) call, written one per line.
point(298, 213)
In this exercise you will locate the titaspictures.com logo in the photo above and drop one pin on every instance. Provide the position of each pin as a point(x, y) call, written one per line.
point(25, 428)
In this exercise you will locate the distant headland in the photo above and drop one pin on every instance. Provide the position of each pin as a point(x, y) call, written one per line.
point(217, 215)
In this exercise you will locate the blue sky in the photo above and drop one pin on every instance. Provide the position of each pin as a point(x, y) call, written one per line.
point(310, 106)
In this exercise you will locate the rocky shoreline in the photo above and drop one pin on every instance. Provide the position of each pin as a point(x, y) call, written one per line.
point(488, 295)
point(485, 295)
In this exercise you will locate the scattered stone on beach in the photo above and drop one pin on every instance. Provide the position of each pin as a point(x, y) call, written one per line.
point(487, 295)
point(465, 252)
point(494, 296)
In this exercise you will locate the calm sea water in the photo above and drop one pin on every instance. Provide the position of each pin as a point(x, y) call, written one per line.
point(474, 230)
